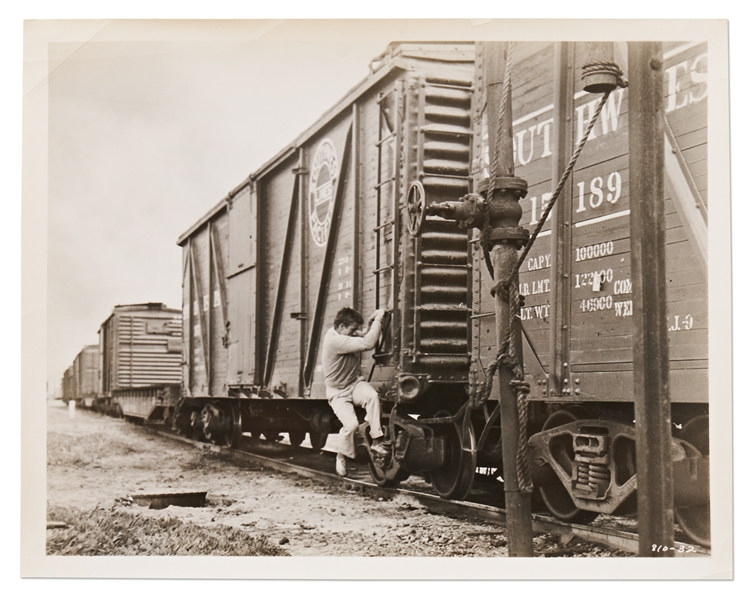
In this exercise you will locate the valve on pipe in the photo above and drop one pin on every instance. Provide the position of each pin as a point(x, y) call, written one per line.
point(468, 211)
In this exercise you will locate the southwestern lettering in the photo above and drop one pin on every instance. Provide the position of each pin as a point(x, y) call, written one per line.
point(608, 121)
point(686, 84)
point(688, 73)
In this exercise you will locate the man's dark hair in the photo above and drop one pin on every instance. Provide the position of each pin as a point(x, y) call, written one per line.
point(348, 316)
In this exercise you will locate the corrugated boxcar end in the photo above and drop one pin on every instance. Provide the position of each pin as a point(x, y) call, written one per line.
point(87, 375)
point(436, 293)
point(140, 346)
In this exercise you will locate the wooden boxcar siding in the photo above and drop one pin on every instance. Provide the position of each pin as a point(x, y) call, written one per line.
point(241, 283)
point(341, 275)
point(532, 100)
point(378, 168)
point(219, 316)
point(685, 67)
point(600, 221)
point(600, 359)
point(198, 277)
point(187, 322)
point(205, 256)
point(275, 193)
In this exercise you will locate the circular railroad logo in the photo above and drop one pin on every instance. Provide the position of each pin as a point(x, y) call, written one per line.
point(323, 177)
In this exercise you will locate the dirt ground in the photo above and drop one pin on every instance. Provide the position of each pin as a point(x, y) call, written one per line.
point(96, 461)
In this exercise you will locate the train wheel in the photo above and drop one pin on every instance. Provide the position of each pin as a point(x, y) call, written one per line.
point(555, 496)
point(233, 436)
point(695, 520)
point(318, 439)
point(196, 430)
point(454, 480)
point(116, 411)
point(297, 437)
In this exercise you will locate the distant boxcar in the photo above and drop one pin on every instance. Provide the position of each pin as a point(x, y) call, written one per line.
point(140, 347)
point(68, 385)
point(81, 379)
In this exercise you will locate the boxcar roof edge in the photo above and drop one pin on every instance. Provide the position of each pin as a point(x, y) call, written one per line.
point(348, 99)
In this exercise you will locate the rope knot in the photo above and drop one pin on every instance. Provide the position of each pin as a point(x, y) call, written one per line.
point(521, 386)
point(605, 68)
point(502, 288)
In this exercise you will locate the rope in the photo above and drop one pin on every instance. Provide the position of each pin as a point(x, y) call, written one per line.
point(502, 110)
point(606, 67)
point(506, 353)
point(560, 185)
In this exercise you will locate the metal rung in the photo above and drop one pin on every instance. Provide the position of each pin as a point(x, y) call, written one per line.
point(387, 138)
point(442, 175)
point(466, 86)
point(379, 185)
point(385, 224)
point(444, 265)
point(383, 269)
point(382, 96)
point(482, 315)
point(457, 131)
point(457, 355)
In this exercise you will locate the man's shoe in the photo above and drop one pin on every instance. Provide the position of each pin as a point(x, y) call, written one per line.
point(380, 450)
point(340, 465)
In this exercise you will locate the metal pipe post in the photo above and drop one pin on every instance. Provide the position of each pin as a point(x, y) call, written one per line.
point(504, 214)
point(561, 219)
point(650, 347)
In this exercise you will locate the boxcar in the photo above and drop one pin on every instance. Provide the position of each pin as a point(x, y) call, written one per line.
point(67, 386)
point(576, 281)
point(140, 348)
point(81, 379)
point(318, 228)
point(328, 223)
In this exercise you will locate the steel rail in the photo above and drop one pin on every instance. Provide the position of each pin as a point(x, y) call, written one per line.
point(618, 540)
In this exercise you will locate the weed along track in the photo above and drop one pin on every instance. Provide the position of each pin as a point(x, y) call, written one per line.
point(285, 501)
